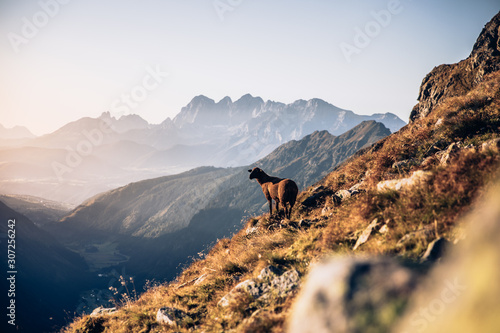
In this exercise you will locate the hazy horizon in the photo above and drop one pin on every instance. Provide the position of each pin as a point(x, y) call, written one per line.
point(64, 60)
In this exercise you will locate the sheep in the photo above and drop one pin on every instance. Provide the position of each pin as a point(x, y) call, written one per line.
point(282, 191)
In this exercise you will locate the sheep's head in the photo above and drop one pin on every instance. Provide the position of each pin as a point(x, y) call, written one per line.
point(256, 173)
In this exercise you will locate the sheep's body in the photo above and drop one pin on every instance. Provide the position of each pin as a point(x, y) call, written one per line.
point(282, 191)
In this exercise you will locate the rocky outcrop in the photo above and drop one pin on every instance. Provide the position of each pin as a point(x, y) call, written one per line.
point(171, 316)
point(101, 311)
point(417, 178)
point(271, 281)
point(457, 79)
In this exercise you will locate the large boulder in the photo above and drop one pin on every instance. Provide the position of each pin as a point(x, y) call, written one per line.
point(352, 294)
point(271, 281)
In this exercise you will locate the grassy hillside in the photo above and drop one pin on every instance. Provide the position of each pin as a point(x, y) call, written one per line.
point(452, 151)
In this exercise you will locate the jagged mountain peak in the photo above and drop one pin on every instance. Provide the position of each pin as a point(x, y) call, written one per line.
point(446, 81)
point(489, 39)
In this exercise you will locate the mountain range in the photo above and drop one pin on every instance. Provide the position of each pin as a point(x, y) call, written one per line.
point(94, 155)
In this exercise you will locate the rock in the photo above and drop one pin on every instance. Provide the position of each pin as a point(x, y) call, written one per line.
point(404, 164)
point(200, 279)
point(269, 273)
point(450, 152)
point(353, 295)
point(384, 229)
point(100, 311)
point(270, 282)
point(304, 223)
point(170, 316)
point(417, 178)
point(446, 81)
point(424, 233)
point(315, 199)
point(251, 230)
point(359, 187)
point(492, 145)
point(346, 194)
point(326, 210)
point(282, 285)
point(435, 250)
point(343, 194)
point(366, 233)
point(438, 123)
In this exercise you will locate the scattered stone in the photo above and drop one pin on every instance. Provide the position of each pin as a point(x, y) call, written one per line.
point(269, 273)
point(438, 123)
point(285, 283)
point(450, 152)
point(366, 234)
point(170, 316)
point(493, 145)
point(435, 250)
point(326, 210)
point(417, 178)
point(304, 223)
point(340, 294)
point(270, 282)
point(359, 187)
point(343, 194)
point(384, 229)
point(316, 198)
point(346, 194)
point(251, 230)
point(404, 164)
point(200, 279)
point(425, 233)
point(100, 311)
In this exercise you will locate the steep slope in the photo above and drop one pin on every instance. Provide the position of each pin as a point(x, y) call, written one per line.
point(404, 192)
point(48, 275)
point(446, 81)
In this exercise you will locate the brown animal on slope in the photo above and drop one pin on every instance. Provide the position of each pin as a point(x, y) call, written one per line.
point(282, 191)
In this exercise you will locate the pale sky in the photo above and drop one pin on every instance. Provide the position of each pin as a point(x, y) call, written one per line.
point(62, 60)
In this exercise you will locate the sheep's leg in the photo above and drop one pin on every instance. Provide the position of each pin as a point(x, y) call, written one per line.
point(270, 207)
point(287, 212)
